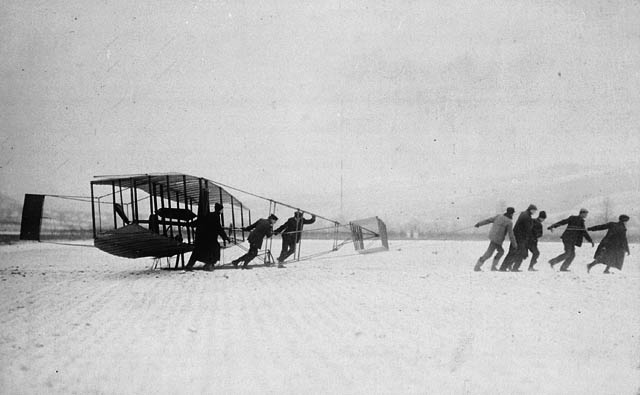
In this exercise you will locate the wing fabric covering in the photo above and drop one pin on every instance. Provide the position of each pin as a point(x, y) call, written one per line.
point(134, 241)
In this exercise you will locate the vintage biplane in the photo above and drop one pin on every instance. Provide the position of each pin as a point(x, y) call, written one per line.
point(154, 215)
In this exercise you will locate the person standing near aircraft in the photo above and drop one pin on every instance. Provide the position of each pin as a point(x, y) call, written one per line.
point(612, 248)
point(522, 230)
point(536, 233)
point(291, 231)
point(502, 225)
point(207, 248)
point(259, 230)
point(571, 238)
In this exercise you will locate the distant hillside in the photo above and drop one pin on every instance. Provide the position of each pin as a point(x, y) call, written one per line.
point(434, 206)
point(58, 216)
point(10, 210)
point(559, 190)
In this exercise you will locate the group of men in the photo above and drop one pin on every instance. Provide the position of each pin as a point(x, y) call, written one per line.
point(209, 227)
point(525, 233)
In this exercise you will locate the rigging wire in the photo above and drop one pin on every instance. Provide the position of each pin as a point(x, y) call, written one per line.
point(68, 244)
point(272, 205)
point(274, 201)
point(86, 199)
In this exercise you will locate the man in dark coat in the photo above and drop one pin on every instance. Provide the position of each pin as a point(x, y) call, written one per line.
point(612, 248)
point(522, 231)
point(259, 230)
point(207, 248)
point(571, 238)
point(291, 231)
point(536, 233)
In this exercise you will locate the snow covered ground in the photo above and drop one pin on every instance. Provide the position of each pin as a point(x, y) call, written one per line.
point(415, 319)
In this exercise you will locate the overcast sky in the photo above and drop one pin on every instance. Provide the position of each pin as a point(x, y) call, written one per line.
point(413, 97)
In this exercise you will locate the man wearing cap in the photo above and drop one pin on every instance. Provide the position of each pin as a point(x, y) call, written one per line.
point(572, 237)
point(522, 231)
point(613, 246)
point(206, 246)
point(536, 233)
point(291, 234)
point(502, 225)
point(259, 230)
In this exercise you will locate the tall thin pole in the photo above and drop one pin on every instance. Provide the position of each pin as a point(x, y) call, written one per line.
point(186, 205)
point(150, 196)
point(222, 212)
point(296, 254)
point(134, 207)
point(113, 191)
point(120, 189)
point(341, 193)
point(267, 252)
point(155, 198)
point(169, 203)
point(93, 212)
point(233, 219)
point(241, 223)
point(133, 199)
point(178, 207)
point(164, 222)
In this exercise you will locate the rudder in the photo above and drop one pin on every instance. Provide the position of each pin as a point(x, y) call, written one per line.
point(31, 217)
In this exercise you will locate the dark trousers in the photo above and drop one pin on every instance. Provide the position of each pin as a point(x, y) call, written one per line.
point(192, 260)
point(288, 247)
point(515, 256)
point(567, 256)
point(490, 250)
point(535, 253)
point(252, 253)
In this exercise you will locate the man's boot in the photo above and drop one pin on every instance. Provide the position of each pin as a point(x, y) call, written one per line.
point(478, 266)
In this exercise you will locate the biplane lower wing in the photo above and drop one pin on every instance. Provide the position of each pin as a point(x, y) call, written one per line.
point(134, 241)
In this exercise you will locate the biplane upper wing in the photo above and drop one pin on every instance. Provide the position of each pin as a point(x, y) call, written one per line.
point(172, 185)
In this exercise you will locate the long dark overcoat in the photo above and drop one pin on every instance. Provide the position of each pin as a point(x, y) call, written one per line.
point(208, 228)
point(613, 246)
